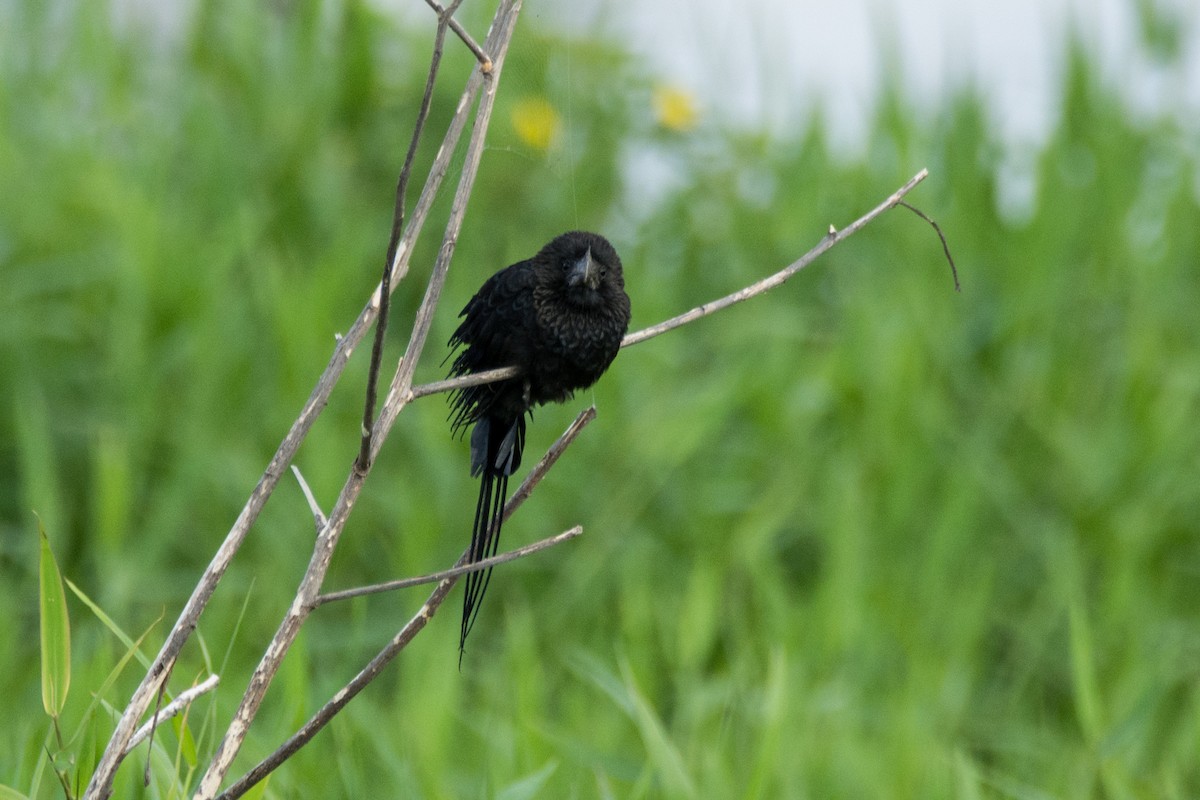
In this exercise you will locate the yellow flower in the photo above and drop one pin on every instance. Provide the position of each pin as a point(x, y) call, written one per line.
point(675, 108)
point(536, 122)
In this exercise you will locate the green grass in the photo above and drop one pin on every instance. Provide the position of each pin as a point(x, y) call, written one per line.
point(861, 537)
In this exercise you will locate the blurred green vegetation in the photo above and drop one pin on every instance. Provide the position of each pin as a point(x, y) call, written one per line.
point(861, 537)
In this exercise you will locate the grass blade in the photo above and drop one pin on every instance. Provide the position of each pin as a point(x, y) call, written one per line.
point(116, 629)
point(55, 630)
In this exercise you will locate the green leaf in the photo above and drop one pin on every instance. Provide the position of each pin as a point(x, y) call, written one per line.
point(56, 630)
point(116, 629)
point(7, 793)
point(661, 751)
point(187, 744)
point(107, 684)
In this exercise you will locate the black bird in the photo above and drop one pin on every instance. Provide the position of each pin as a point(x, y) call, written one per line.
point(560, 317)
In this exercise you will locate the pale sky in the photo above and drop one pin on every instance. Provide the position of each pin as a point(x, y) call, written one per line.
point(763, 61)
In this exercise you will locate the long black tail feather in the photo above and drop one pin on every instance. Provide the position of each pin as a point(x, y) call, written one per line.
point(496, 452)
point(485, 538)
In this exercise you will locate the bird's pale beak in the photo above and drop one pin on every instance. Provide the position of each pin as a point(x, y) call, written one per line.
point(585, 272)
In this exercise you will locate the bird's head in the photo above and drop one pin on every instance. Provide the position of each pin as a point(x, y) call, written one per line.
point(586, 267)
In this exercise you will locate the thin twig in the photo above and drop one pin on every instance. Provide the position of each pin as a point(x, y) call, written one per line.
point(343, 696)
point(519, 497)
point(289, 628)
point(318, 515)
point(385, 283)
point(942, 236)
point(406, 634)
point(171, 709)
point(485, 61)
point(399, 392)
point(474, 379)
point(453, 572)
point(833, 237)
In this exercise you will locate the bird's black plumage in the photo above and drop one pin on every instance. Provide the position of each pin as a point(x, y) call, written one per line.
point(559, 317)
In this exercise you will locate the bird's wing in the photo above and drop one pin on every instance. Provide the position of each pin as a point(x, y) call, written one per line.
point(488, 318)
point(490, 336)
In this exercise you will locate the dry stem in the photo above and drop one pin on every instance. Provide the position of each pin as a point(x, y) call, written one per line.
point(310, 584)
point(832, 238)
point(100, 786)
point(171, 709)
point(448, 577)
point(453, 572)
point(445, 17)
point(414, 626)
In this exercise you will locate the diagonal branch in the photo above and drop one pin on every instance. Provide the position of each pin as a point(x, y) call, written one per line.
point(401, 391)
point(385, 283)
point(171, 709)
point(453, 572)
point(343, 696)
point(100, 786)
point(398, 642)
point(289, 628)
point(779, 278)
point(766, 284)
point(533, 479)
point(485, 61)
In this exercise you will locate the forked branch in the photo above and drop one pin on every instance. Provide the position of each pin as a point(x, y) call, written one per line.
point(414, 626)
point(101, 784)
point(453, 572)
point(833, 237)
point(173, 708)
point(289, 628)
point(445, 16)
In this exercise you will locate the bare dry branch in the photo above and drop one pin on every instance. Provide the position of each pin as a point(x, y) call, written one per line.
point(453, 572)
point(400, 390)
point(171, 709)
point(313, 506)
point(100, 786)
point(343, 696)
point(549, 460)
point(498, 38)
point(474, 379)
point(385, 283)
point(535, 476)
point(485, 61)
point(482, 87)
point(833, 237)
point(406, 634)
